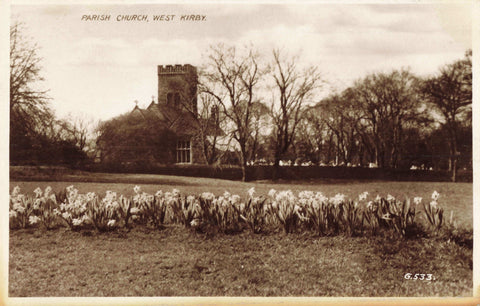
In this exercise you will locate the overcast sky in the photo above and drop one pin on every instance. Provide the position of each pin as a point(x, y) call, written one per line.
point(101, 67)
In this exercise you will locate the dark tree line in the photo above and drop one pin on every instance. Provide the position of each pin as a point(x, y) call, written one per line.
point(395, 120)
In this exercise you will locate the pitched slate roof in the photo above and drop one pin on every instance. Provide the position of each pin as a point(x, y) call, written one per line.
point(182, 123)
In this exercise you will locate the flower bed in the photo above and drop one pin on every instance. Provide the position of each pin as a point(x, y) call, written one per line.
point(229, 213)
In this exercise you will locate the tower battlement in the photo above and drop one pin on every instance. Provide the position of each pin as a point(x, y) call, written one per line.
point(168, 69)
point(177, 86)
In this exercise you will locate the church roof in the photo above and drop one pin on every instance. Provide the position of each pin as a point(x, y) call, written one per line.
point(181, 122)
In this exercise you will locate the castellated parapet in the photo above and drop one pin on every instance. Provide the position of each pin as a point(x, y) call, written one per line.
point(166, 69)
point(177, 86)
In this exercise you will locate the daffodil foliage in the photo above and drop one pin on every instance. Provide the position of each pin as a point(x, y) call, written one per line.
point(228, 213)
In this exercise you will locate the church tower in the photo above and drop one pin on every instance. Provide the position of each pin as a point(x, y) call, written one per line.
point(177, 86)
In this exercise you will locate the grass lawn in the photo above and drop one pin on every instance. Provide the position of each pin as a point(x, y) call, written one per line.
point(456, 197)
point(179, 262)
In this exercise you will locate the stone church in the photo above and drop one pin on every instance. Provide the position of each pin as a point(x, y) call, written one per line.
point(178, 111)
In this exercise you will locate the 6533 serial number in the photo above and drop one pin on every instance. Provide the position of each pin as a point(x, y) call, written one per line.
point(419, 276)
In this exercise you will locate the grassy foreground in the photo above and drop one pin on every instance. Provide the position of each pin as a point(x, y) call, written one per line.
point(178, 262)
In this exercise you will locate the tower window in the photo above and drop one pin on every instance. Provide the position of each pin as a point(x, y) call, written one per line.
point(183, 151)
point(170, 98)
point(177, 99)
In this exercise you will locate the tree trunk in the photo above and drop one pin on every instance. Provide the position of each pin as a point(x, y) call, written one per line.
point(244, 171)
point(454, 170)
point(276, 168)
point(453, 159)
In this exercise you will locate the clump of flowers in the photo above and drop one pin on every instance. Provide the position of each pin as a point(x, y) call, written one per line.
point(228, 213)
point(184, 209)
point(109, 212)
point(390, 213)
point(150, 209)
point(221, 213)
point(254, 212)
point(433, 213)
point(20, 209)
point(74, 210)
point(284, 206)
point(44, 205)
point(32, 211)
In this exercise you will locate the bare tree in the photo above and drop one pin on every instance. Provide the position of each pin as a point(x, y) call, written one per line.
point(450, 92)
point(311, 135)
point(210, 130)
point(79, 128)
point(294, 88)
point(232, 78)
point(387, 102)
point(28, 105)
point(342, 118)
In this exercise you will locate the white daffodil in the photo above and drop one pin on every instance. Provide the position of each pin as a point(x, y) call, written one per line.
point(208, 196)
point(235, 199)
point(320, 197)
point(251, 192)
point(338, 199)
point(37, 204)
point(363, 196)
point(77, 221)
point(15, 191)
point(134, 210)
point(33, 219)
point(38, 192)
point(136, 189)
point(305, 194)
point(47, 191)
point(19, 208)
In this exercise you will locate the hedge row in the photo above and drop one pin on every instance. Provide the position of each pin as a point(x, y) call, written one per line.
point(289, 172)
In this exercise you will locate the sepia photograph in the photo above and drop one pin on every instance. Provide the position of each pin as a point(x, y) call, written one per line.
point(226, 149)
